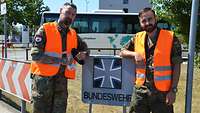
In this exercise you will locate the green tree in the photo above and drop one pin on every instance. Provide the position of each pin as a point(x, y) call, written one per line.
point(33, 11)
point(178, 13)
point(26, 12)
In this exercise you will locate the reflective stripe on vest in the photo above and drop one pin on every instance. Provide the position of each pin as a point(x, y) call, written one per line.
point(53, 48)
point(162, 64)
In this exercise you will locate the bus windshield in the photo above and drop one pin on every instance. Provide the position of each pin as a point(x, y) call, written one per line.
point(101, 23)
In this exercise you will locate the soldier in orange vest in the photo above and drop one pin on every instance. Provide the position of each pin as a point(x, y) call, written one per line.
point(157, 55)
point(56, 49)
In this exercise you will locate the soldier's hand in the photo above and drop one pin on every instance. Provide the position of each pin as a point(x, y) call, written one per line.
point(81, 55)
point(170, 97)
point(138, 58)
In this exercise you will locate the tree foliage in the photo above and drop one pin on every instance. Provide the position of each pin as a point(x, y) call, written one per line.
point(178, 13)
point(26, 12)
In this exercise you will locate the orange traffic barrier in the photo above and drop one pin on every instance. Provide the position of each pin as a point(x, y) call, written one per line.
point(15, 78)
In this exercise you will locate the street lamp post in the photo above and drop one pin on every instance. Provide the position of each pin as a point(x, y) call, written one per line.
point(190, 69)
point(86, 2)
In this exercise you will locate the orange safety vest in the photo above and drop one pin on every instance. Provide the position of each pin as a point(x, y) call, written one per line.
point(161, 61)
point(54, 48)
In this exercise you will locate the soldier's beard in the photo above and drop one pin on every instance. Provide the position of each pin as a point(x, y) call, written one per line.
point(67, 21)
point(150, 28)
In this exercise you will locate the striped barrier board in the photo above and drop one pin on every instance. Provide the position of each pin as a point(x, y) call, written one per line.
point(15, 78)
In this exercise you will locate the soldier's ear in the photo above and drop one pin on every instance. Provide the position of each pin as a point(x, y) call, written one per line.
point(156, 18)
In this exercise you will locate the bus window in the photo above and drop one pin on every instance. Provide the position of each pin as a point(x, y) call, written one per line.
point(130, 22)
point(50, 20)
point(81, 25)
point(100, 25)
point(137, 27)
point(95, 27)
point(129, 28)
point(117, 25)
point(107, 24)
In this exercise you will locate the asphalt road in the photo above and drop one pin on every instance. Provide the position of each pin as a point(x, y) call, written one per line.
point(5, 108)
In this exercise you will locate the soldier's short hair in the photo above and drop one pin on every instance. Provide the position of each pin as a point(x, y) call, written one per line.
point(71, 4)
point(146, 9)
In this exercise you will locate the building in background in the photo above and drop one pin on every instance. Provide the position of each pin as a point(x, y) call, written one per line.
point(128, 6)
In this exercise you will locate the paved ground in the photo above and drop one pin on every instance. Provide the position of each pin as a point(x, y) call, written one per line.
point(5, 108)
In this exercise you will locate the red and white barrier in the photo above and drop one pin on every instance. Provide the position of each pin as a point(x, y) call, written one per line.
point(15, 78)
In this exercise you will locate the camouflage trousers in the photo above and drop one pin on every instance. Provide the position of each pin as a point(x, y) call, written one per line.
point(145, 100)
point(49, 94)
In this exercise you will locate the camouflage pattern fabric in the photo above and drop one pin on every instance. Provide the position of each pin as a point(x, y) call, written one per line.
point(147, 98)
point(49, 94)
point(146, 101)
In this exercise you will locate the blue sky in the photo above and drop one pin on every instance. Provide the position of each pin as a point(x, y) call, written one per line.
point(54, 5)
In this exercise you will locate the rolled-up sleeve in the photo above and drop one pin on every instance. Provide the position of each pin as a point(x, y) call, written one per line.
point(176, 54)
point(82, 45)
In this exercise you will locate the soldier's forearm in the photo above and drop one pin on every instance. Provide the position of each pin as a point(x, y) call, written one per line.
point(176, 75)
point(127, 54)
point(42, 58)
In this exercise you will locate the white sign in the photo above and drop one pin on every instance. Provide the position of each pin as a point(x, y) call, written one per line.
point(107, 80)
point(25, 34)
point(3, 9)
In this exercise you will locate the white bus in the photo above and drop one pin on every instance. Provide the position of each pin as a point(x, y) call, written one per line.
point(104, 30)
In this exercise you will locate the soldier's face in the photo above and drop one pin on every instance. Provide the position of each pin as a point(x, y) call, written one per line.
point(67, 15)
point(148, 21)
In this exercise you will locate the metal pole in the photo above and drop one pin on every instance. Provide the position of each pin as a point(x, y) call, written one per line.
point(114, 52)
point(27, 53)
point(2, 50)
point(86, 2)
point(5, 38)
point(192, 40)
point(90, 108)
point(0, 93)
point(23, 106)
point(124, 109)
